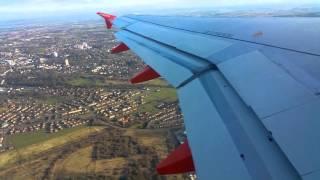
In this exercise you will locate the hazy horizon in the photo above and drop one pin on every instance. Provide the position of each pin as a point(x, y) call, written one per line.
point(86, 9)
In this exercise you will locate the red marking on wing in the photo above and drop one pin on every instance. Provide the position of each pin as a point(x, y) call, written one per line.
point(145, 75)
point(108, 18)
point(257, 34)
point(119, 48)
point(178, 161)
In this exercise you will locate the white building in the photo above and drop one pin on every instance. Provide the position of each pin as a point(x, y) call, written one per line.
point(43, 60)
point(66, 62)
point(55, 54)
point(82, 46)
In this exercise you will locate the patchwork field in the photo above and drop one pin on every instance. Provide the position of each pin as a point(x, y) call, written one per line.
point(90, 153)
point(39, 142)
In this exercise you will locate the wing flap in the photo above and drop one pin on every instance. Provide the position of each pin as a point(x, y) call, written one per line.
point(225, 112)
point(258, 81)
point(213, 149)
point(302, 146)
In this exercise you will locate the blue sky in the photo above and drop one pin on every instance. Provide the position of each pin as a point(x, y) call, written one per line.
point(24, 8)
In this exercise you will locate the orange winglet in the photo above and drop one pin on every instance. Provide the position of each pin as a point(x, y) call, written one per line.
point(145, 75)
point(178, 161)
point(119, 48)
point(108, 18)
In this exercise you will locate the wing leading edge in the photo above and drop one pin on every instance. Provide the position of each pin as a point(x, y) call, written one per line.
point(248, 88)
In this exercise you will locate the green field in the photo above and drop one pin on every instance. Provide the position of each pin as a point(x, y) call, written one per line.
point(30, 144)
point(25, 139)
point(82, 81)
point(157, 82)
point(52, 100)
point(157, 95)
point(161, 94)
point(79, 81)
point(85, 80)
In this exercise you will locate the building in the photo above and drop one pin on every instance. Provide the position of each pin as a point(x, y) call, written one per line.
point(66, 62)
point(55, 54)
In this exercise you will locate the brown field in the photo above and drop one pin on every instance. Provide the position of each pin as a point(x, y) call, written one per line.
point(107, 153)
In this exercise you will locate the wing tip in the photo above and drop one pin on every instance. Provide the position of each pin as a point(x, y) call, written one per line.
point(108, 18)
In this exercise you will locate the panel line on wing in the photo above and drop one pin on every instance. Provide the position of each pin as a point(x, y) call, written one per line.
point(196, 75)
point(172, 48)
point(173, 72)
point(263, 158)
point(226, 37)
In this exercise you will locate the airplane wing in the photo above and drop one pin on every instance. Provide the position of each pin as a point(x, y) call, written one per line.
point(249, 90)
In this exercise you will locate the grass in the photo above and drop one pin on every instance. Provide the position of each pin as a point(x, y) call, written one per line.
point(77, 161)
point(137, 126)
point(151, 138)
point(86, 80)
point(157, 82)
point(117, 82)
point(25, 139)
point(81, 161)
point(3, 109)
point(163, 94)
point(97, 80)
point(40, 145)
point(80, 81)
point(110, 164)
point(52, 100)
point(156, 96)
